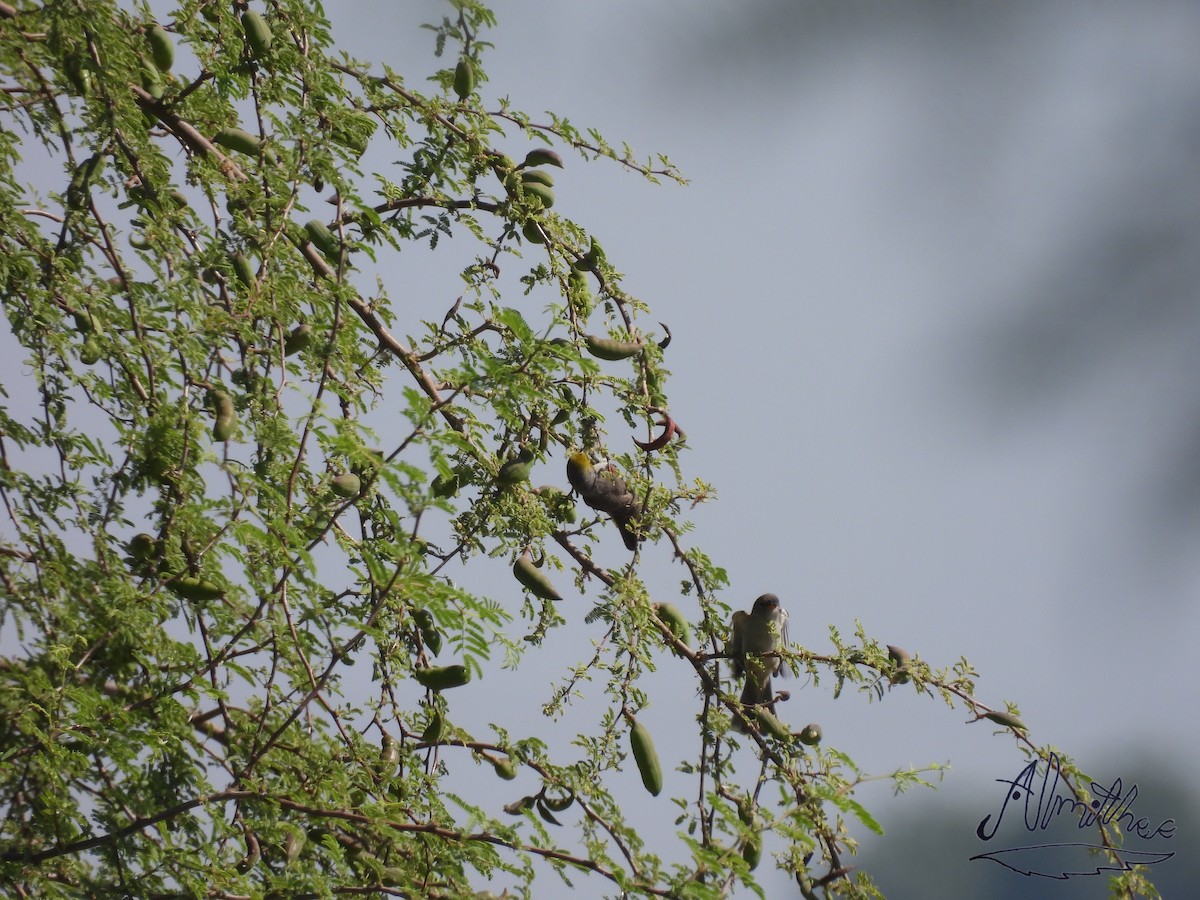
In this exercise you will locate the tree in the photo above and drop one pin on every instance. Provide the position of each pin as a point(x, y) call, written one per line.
point(237, 487)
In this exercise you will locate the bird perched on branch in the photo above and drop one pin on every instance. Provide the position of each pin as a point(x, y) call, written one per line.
point(760, 631)
point(604, 490)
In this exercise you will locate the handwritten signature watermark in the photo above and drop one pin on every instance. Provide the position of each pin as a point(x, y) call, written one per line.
point(1035, 798)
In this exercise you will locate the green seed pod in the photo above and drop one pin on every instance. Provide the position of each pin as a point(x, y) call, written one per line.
point(608, 348)
point(91, 351)
point(810, 734)
point(293, 846)
point(1007, 719)
point(432, 638)
point(243, 269)
point(752, 851)
point(543, 194)
point(746, 813)
point(239, 140)
point(591, 260)
point(558, 804)
point(532, 233)
point(674, 619)
point(258, 34)
point(434, 727)
point(298, 339)
point(464, 78)
point(768, 722)
point(86, 322)
point(646, 757)
point(505, 768)
point(323, 239)
point(446, 485)
point(162, 50)
point(347, 485)
point(423, 618)
point(79, 76)
point(533, 578)
point(226, 420)
point(441, 678)
point(189, 587)
point(152, 82)
point(541, 156)
point(537, 176)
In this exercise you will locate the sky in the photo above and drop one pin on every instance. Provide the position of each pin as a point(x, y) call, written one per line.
point(932, 291)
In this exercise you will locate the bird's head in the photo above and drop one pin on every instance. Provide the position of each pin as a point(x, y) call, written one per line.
point(580, 471)
point(766, 604)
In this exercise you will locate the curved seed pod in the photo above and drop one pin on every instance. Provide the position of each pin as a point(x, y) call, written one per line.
point(752, 851)
point(545, 812)
point(91, 351)
point(769, 723)
point(674, 619)
point(434, 727)
point(464, 78)
point(298, 339)
point(901, 658)
point(322, 238)
point(87, 322)
point(558, 804)
point(608, 348)
point(532, 233)
point(591, 260)
point(537, 176)
point(432, 639)
point(541, 156)
point(746, 812)
point(662, 440)
point(646, 757)
point(189, 587)
point(253, 853)
point(347, 485)
point(238, 139)
point(243, 269)
point(537, 582)
point(293, 846)
point(666, 341)
point(505, 768)
point(162, 50)
point(77, 74)
point(446, 485)
point(441, 678)
point(810, 734)
point(1007, 719)
point(223, 404)
point(544, 194)
point(258, 34)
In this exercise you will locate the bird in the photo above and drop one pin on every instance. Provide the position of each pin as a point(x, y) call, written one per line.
point(762, 630)
point(604, 490)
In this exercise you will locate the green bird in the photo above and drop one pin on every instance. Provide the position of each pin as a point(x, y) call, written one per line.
point(604, 490)
point(762, 630)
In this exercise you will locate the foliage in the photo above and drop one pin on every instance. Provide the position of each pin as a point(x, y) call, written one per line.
point(250, 457)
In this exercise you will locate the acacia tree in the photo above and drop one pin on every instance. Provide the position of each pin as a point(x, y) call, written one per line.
point(246, 452)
